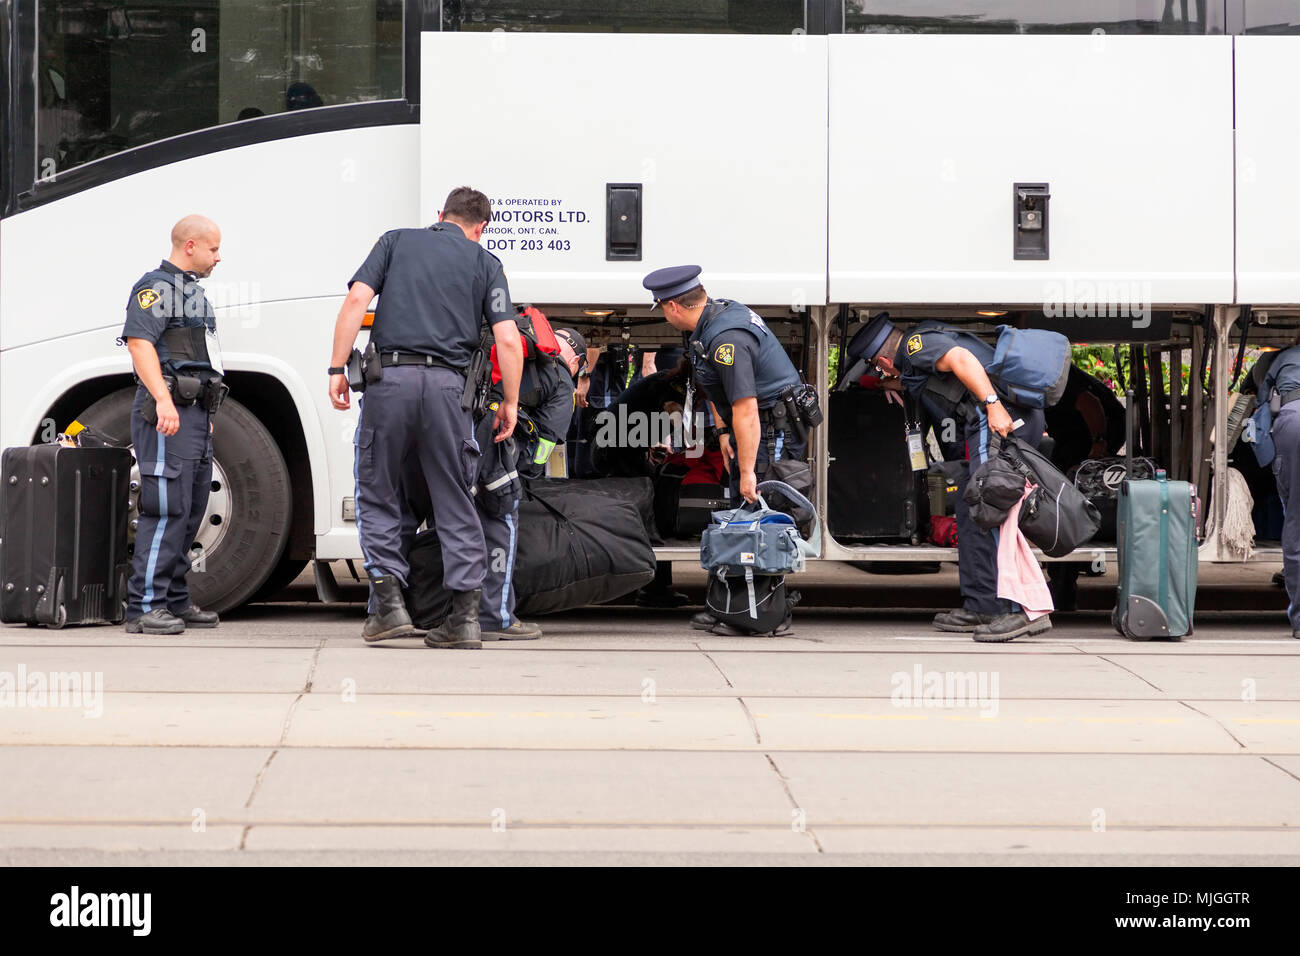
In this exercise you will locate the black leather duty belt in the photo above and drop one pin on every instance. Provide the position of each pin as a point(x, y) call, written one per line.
point(396, 357)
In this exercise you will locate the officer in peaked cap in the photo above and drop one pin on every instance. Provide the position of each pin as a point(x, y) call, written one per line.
point(945, 370)
point(749, 380)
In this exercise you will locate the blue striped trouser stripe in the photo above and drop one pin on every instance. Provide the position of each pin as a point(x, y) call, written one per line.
point(506, 614)
point(151, 567)
point(356, 502)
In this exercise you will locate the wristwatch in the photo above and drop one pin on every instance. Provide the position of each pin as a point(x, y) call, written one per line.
point(991, 399)
point(337, 370)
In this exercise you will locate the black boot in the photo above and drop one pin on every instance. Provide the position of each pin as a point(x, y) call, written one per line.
point(391, 619)
point(461, 629)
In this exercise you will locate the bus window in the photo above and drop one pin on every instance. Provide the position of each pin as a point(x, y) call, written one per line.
point(619, 16)
point(1033, 16)
point(112, 76)
point(1264, 16)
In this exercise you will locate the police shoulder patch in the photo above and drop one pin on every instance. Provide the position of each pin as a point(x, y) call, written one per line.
point(146, 298)
point(725, 354)
point(913, 344)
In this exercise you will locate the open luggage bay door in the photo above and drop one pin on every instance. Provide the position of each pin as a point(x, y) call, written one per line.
point(609, 155)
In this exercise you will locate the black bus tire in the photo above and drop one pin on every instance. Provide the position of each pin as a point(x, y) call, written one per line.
point(260, 496)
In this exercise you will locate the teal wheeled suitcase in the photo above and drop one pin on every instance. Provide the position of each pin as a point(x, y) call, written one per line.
point(1157, 557)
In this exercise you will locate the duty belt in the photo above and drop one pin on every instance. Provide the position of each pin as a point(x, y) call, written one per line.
point(1291, 396)
point(397, 357)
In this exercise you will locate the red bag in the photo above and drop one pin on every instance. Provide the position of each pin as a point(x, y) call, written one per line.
point(943, 530)
point(537, 336)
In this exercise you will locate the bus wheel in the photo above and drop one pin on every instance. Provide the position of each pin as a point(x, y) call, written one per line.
point(250, 506)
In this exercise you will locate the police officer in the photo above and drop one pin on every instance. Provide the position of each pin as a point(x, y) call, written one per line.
point(170, 332)
point(1280, 389)
point(945, 371)
point(744, 371)
point(546, 404)
point(436, 287)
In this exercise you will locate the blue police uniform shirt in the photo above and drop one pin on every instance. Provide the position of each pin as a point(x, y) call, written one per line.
point(168, 298)
point(922, 348)
point(1284, 373)
point(436, 286)
point(742, 357)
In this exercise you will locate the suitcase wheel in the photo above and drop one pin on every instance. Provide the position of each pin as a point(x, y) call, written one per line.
point(1124, 629)
point(60, 618)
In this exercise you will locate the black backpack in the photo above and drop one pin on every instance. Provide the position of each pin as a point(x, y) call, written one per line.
point(728, 599)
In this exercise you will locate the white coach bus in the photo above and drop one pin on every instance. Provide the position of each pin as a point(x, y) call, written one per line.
point(822, 159)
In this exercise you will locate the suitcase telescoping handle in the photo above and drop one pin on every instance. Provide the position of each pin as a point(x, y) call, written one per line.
point(1130, 416)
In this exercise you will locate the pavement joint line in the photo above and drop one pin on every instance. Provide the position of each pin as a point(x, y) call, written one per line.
point(311, 671)
point(720, 671)
point(1024, 650)
point(794, 804)
point(681, 751)
point(761, 695)
point(753, 725)
point(766, 824)
point(1159, 690)
point(1282, 768)
point(1217, 723)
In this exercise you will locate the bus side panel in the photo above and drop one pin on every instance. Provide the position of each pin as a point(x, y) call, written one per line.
point(1133, 135)
point(297, 217)
point(726, 136)
point(1268, 189)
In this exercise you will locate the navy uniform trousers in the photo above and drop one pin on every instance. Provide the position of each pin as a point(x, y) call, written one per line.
point(1286, 469)
point(977, 549)
point(787, 447)
point(175, 479)
point(496, 609)
point(414, 412)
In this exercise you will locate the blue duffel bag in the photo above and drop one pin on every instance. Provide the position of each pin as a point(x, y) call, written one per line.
point(748, 551)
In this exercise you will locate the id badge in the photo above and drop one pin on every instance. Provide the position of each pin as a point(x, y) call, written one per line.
point(214, 352)
point(688, 409)
point(916, 448)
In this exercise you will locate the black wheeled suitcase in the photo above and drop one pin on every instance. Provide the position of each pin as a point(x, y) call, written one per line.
point(63, 518)
point(1158, 558)
point(872, 493)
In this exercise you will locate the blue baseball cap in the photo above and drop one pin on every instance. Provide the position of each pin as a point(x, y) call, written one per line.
point(670, 281)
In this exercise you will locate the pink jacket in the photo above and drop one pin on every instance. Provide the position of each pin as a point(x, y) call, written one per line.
point(1020, 576)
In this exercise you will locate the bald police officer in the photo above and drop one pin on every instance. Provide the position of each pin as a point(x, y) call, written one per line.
point(436, 287)
point(944, 369)
point(170, 332)
point(744, 371)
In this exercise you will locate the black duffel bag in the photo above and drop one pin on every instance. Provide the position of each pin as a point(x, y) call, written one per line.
point(1099, 480)
point(1055, 516)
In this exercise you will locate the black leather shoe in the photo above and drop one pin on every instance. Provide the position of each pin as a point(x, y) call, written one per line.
point(1010, 626)
point(703, 621)
point(517, 631)
point(961, 620)
point(161, 621)
point(390, 620)
point(194, 616)
point(726, 630)
point(461, 628)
